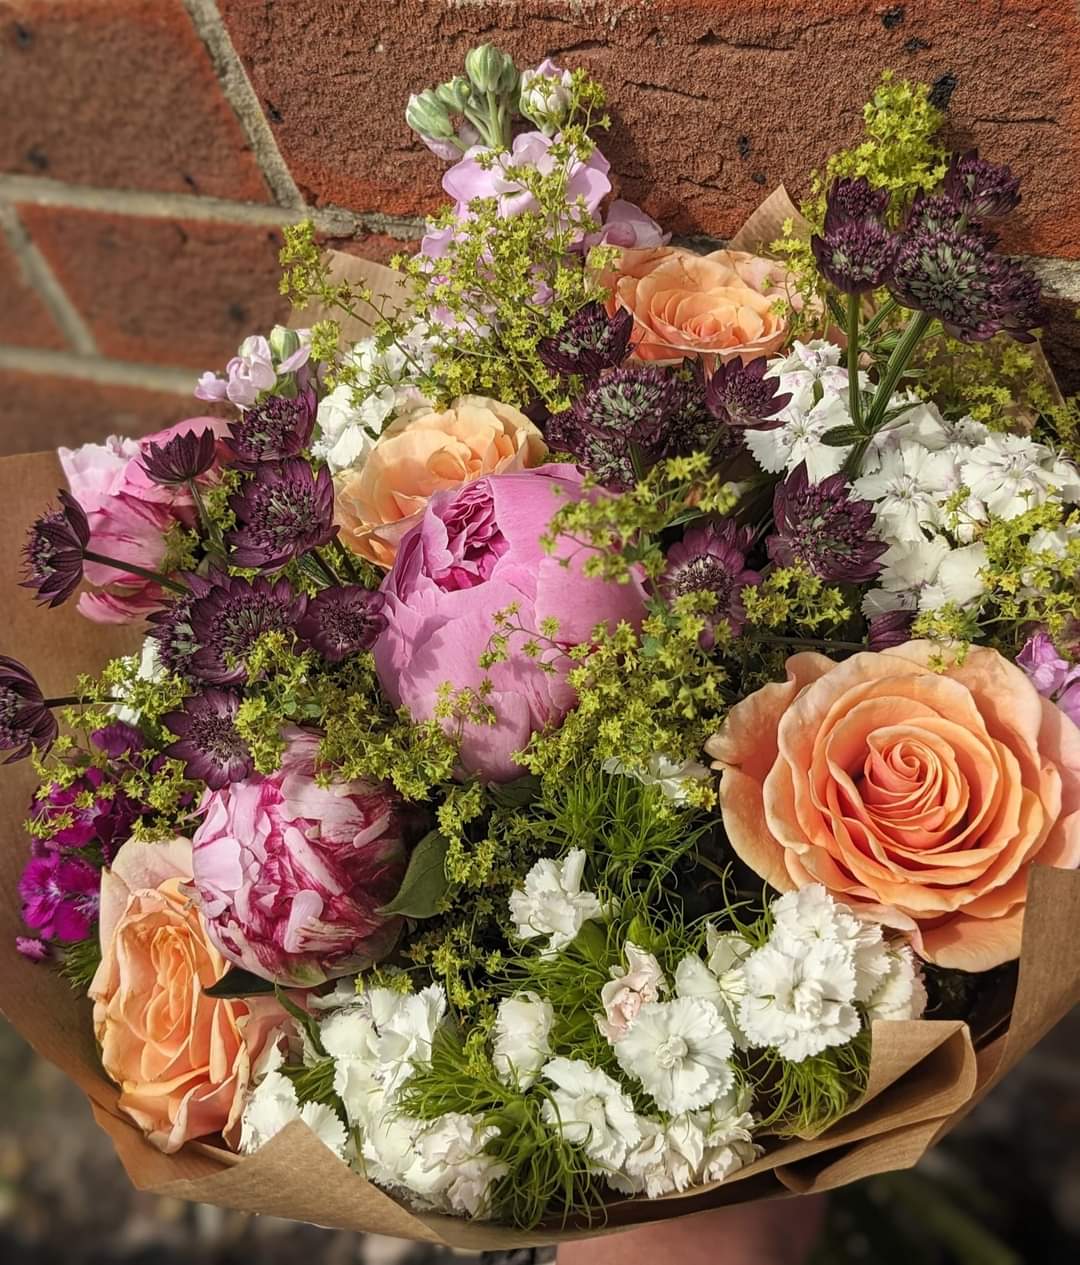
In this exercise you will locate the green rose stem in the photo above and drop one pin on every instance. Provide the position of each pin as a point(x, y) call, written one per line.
point(134, 569)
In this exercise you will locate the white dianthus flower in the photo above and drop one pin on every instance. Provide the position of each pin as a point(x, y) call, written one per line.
point(406, 1024)
point(902, 993)
point(592, 1111)
point(392, 1158)
point(522, 1039)
point(273, 1105)
point(728, 1129)
point(347, 425)
point(720, 979)
point(668, 1158)
point(552, 903)
point(926, 575)
point(959, 579)
point(452, 1149)
point(628, 990)
point(812, 914)
point(905, 491)
point(348, 1036)
point(679, 1052)
point(1012, 474)
point(799, 439)
point(663, 771)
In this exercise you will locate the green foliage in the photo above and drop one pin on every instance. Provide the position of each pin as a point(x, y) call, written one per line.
point(1001, 383)
point(803, 1099)
point(79, 962)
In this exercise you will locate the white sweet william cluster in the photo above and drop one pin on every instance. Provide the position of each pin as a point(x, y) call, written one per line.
point(354, 414)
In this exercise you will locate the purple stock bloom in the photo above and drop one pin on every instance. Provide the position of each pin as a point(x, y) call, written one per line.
point(1054, 677)
point(974, 293)
point(225, 619)
point(711, 558)
point(277, 428)
point(54, 551)
point(589, 342)
point(283, 511)
point(26, 722)
point(890, 628)
point(32, 948)
point(613, 417)
point(980, 188)
point(208, 740)
point(850, 199)
point(60, 896)
point(741, 395)
point(826, 529)
point(343, 621)
point(181, 459)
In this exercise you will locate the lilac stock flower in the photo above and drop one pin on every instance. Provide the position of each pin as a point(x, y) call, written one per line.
point(826, 529)
point(343, 621)
point(26, 722)
point(283, 511)
point(741, 395)
point(589, 343)
point(711, 558)
point(180, 459)
point(277, 428)
point(208, 741)
point(54, 551)
point(60, 896)
point(890, 628)
point(628, 227)
point(1054, 677)
point(974, 293)
point(980, 188)
point(251, 372)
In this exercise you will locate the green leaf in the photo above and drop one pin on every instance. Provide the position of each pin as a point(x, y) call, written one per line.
point(239, 983)
point(425, 882)
point(841, 436)
point(516, 794)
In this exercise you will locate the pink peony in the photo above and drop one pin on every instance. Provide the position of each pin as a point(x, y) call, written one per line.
point(476, 551)
point(291, 875)
point(130, 517)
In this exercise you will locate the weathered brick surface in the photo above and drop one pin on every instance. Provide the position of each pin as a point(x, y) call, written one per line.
point(118, 93)
point(714, 102)
point(175, 292)
point(25, 321)
point(38, 412)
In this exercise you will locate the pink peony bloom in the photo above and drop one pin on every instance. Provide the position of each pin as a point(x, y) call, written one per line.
point(291, 876)
point(129, 517)
point(476, 551)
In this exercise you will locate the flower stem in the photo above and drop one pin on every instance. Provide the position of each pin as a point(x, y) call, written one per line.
point(854, 394)
point(134, 569)
point(825, 642)
point(73, 700)
point(883, 313)
point(214, 539)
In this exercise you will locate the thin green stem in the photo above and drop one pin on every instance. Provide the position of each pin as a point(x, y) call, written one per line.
point(854, 393)
point(215, 541)
point(882, 314)
point(132, 568)
point(73, 700)
point(894, 370)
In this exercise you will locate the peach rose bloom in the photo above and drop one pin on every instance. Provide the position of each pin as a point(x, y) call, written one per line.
point(717, 306)
point(923, 796)
point(182, 1060)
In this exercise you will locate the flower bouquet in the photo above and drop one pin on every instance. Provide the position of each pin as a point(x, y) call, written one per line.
point(578, 740)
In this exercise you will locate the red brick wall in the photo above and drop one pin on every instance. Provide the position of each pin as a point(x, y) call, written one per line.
point(150, 150)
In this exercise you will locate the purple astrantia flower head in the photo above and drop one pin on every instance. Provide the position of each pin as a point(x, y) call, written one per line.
point(741, 395)
point(60, 896)
point(25, 721)
point(181, 459)
point(974, 293)
point(849, 200)
point(171, 629)
point(937, 213)
point(980, 188)
point(218, 628)
point(208, 741)
point(590, 342)
point(689, 426)
point(278, 428)
point(613, 417)
point(826, 529)
point(857, 256)
point(283, 511)
point(890, 628)
point(54, 551)
point(711, 558)
point(343, 621)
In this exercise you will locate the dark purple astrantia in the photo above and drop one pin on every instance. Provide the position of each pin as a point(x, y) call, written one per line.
point(208, 741)
point(343, 621)
point(589, 342)
point(974, 293)
point(171, 629)
point(980, 188)
point(612, 417)
point(26, 722)
point(937, 213)
point(890, 628)
point(284, 510)
point(225, 620)
point(856, 250)
point(711, 558)
point(181, 459)
point(742, 396)
point(853, 199)
point(277, 428)
point(54, 551)
point(823, 527)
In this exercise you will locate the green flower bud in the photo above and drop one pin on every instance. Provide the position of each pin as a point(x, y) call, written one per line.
point(283, 342)
point(489, 68)
point(427, 115)
point(454, 94)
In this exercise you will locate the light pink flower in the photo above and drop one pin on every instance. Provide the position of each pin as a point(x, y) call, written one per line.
point(625, 994)
point(291, 875)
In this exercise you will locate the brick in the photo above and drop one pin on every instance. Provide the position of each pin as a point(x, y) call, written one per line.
point(25, 321)
point(169, 291)
point(380, 247)
point(713, 103)
point(118, 93)
point(39, 412)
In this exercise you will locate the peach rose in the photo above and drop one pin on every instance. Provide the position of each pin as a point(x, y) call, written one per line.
point(182, 1059)
point(423, 452)
point(922, 795)
point(718, 306)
